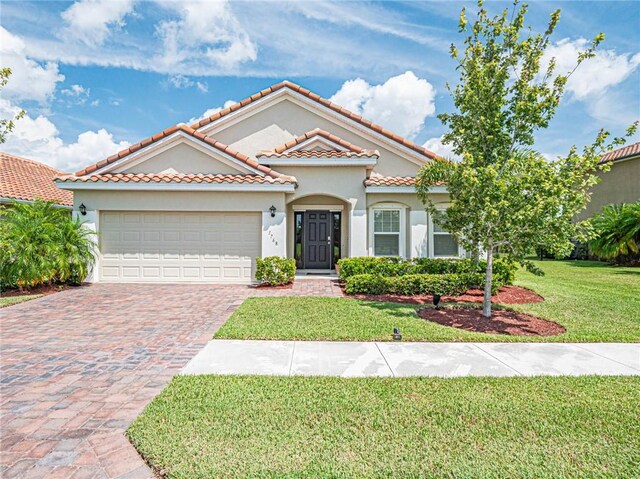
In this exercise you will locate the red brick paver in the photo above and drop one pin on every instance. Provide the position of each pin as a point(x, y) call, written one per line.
point(78, 366)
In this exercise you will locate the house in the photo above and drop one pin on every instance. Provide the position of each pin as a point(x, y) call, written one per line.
point(621, 184)
point(284, 172)
point(23, 181)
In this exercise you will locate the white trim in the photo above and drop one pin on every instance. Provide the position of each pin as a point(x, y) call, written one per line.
point(419, 234)
point(272, 160)
point(169, 142)
point(432, 233)
point(7, 201)
point(331, 145)
point(321, 110)
point(100, 185)
point(403, 189)
point(402, 233)
point(331, 208)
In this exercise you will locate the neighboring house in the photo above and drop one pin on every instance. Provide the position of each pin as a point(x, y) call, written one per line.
point(621, 184)
point(24, 181)
point(284, 172)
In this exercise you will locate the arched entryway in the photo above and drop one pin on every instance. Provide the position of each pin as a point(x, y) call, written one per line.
point(318, 234)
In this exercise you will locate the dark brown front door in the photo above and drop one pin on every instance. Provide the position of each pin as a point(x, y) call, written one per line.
point(317, 240)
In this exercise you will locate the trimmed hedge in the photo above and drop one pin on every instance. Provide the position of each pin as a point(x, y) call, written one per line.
point(275, 270)
point(413, 284)
point(503, 271)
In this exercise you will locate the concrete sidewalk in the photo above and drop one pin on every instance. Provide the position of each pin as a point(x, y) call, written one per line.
point(397, 359)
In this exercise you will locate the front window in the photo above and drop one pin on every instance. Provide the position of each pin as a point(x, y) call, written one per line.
point(443, 243)
point(297, 246)
point(386, 232)
point(336, 236)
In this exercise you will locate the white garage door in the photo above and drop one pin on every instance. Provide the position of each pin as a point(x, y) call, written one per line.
point(178, 247)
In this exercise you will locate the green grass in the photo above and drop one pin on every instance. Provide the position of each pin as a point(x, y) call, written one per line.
point(9, 300)
point(301, 427)
point(594, 302)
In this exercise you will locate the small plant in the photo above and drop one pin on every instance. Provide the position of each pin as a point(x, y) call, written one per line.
point(41, 244)
point(618, 232)
point(275, 271)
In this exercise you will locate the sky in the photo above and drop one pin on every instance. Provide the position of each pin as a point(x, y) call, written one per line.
point(97, 75)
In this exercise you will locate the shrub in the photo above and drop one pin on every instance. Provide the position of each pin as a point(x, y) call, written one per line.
point(413, 284)
point(503, 270)
point(618, 232)
point(275, 270)
point(41, 244)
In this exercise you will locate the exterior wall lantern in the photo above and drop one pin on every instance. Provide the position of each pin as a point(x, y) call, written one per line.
point(83, 209)
point(273, 211)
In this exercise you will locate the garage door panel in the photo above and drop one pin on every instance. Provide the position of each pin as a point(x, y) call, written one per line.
point(176, 247)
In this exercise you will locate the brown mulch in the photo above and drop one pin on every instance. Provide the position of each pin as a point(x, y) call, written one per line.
point(505, 295)
point(279, 286)
point(43, 290)
point(502, 321)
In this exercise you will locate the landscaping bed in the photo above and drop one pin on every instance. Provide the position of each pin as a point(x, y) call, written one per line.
point(505, 295)
point(273, 427)
point(502, 321)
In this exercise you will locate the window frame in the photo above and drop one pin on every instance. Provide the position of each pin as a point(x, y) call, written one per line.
point(402, 233)
point(433, 233)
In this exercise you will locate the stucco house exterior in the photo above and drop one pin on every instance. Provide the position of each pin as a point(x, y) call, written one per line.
point(284, 172)
point(621, 184)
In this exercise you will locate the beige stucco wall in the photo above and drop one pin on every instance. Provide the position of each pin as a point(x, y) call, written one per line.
point(621, 184)
point(178, 200)
point(183, 158)
point(285, 120)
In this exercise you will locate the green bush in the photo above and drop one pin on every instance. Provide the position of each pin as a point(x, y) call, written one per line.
point(413, 284)
point(275, 270)
point(618, 232)
point(41, 244)
point(503, 271)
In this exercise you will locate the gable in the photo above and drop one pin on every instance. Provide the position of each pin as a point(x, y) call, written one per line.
point(284, 118)
point(183, 158)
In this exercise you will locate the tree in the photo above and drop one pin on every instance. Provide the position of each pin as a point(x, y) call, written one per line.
point(505, 196)
point(7, 124)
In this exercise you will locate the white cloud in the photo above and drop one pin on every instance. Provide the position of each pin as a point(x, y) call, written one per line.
point(212, 111)
point(181, 82)
point(38, 139)
point(204, 30)
point(401, 104)
point(76, 94)
point(595, 75)
point(439, 148)
point(29, 79)
point(91, 21)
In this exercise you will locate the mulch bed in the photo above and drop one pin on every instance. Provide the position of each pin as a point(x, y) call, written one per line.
point(43, 290)
point(506, 295)
point(502, 321)
point(268, 286)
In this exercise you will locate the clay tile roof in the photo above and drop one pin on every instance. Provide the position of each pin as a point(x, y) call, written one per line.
point(189, 131)
point(320, 154)
point(24, 179)
point(622, 153)
point(376, 180)
point(176, 178)
point(337, 108)
point(321, 133)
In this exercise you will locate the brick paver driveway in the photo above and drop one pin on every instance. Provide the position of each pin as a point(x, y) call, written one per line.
point(80, 365)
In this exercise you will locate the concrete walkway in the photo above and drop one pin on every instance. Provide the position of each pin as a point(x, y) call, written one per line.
point(363, 359)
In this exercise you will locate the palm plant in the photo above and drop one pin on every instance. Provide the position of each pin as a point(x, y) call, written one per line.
point(42, 244)
point(618, 230)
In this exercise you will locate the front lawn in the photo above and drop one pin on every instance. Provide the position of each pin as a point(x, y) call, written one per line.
point(594, 302)
point(275, 427)
point(9, 300)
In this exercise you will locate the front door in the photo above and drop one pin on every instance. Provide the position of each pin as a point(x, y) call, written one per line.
point(317, 240)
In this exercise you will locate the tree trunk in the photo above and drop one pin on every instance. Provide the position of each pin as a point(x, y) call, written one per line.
point(486, 304)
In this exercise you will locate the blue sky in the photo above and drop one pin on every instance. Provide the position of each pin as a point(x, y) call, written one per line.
point(96, 75)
